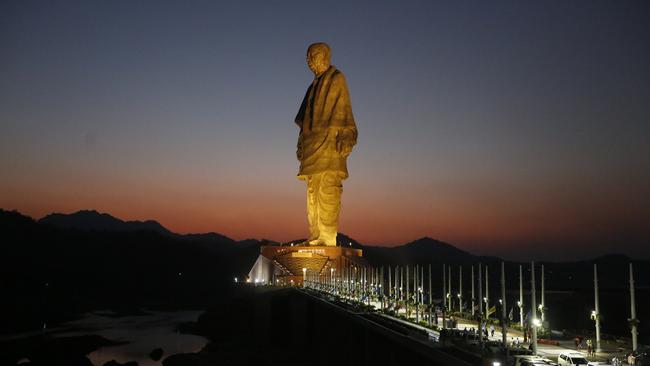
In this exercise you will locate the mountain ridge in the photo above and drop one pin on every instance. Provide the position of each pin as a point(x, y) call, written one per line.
point(418, 250)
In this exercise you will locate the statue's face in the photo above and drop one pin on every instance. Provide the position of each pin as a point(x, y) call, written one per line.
point(317, 61)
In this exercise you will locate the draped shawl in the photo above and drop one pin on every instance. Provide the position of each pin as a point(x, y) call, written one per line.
point(325, 119)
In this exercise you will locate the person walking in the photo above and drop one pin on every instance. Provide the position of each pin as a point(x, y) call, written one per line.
point(590, 348)
point(631, 359)
point(492, 330)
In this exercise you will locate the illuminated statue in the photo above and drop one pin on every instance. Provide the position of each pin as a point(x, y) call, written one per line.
point(327, 135)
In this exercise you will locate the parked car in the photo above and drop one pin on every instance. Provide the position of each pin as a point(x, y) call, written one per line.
point(528, 360)
point(537, 363)
point(571, 359)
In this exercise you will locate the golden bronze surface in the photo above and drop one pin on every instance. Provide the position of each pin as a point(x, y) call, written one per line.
point(327, 135)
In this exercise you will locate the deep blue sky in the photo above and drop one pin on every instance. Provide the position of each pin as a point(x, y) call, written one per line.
point(512, 128)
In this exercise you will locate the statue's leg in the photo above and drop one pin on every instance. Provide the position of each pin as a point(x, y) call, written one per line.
point(329, 206)
point(313, 182)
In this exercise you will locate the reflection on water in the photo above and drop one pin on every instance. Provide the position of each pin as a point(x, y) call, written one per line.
point(143, 332)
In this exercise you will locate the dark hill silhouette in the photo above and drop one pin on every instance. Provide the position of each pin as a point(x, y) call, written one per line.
point(420, 251)
point(93, 220)
point(50, 273)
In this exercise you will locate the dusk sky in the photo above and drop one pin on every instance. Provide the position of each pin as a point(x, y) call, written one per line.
point(519, 128)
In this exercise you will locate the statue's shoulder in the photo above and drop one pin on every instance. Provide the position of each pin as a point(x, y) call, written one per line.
point(338, 77)
point(337, 73)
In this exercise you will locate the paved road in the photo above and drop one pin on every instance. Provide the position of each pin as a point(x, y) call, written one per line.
point(549, 351)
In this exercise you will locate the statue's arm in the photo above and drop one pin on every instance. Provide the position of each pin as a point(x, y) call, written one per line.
point(299, 149)
point(346, 138)
point(346, 134)
point(300, 117)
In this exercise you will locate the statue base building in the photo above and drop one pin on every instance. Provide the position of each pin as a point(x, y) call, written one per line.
point(290, 265)
point(327, 135)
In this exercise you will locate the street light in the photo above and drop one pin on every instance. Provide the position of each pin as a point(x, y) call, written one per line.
point(537, 322)
point(304, 277)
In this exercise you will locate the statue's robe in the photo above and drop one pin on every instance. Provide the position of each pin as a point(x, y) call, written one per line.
point(325, 119)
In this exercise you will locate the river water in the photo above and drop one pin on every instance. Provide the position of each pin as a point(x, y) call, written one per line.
point(142, 332)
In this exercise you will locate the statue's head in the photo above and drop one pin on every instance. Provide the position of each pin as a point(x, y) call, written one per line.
point(318, 58)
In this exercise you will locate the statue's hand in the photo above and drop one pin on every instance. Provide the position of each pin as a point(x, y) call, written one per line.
point(344, 143)
point(343, 148)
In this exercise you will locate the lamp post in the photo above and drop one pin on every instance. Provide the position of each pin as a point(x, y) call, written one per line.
point(408, 292)
point(460, 289)
point(401, 283)
point(381, 287)
point(542, 306)
point(390, 288)
point(633, 320)
point(487, 294)
point(430, 295)
point(535, 322)
point(396, 285)
point(504, 328)
point(521, 298)
point(451, 300)
point(421, 287)
point(480, 303)
point(396, 281)
point(444, 295)
point(304, 277)
point(416, 287)
point(368, 288)
point(595, 315)
point(472, 290)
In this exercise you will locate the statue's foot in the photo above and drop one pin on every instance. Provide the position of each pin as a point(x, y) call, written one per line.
point(316, 242)
point(328, 240)
point(330, 243)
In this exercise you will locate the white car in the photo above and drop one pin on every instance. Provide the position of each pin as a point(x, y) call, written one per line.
point(520, 359)
point(571, 359)
point(525, 360)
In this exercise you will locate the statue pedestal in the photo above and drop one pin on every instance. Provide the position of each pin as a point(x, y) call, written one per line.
point(283, 265)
